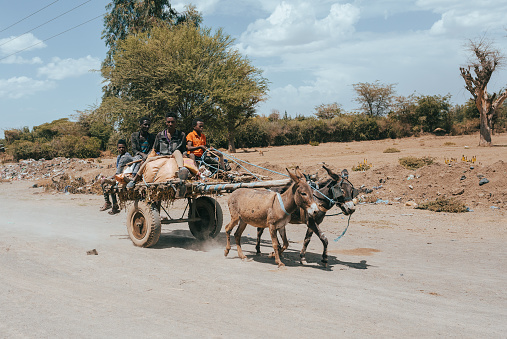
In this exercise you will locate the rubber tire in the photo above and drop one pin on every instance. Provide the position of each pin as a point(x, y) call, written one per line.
point(148, 217)
point(211, 226)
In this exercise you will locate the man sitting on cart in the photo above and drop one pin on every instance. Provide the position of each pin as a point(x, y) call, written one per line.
point(169, 142)
point(142, 142)
point(108, 183)
point(196, 147)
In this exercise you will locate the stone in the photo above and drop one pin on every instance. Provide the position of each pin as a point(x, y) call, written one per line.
point(483, 181)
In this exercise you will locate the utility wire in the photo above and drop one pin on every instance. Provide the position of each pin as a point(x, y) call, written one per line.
point(45, 22)
point(24, 49)
point(17, 22)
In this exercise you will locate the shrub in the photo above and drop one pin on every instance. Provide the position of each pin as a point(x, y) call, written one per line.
point(444, 205)
point(362, 166)
point(449, 143)
point(314, 143)
point(415, 163)
point(391, 150)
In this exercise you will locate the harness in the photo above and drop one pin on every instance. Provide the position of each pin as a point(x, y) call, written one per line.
point(279, 196)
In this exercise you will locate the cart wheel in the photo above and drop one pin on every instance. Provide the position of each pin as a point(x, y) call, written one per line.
point(143, 224)
point(210, 212)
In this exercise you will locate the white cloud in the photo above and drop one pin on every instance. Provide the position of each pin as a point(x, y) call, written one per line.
point(26, 42)
point(19, 87)
point(295, 27)
point(203, 6)
point(64, 68)
point(15, 59)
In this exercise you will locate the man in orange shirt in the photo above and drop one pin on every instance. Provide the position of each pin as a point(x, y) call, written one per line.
point(196, 145)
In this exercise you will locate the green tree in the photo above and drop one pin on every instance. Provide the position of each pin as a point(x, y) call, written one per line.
point(328, 111)
point(127, 17)
point(477, 74)
point(185, 69)
point(375, 98)
point(432, 111)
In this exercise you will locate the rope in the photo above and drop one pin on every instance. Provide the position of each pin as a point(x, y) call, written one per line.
point(231, 157)
point(345, 230)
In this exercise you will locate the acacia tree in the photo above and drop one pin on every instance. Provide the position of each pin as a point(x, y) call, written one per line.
point(375, 98)
point(328, 111)
point(477, 75)
point(182, 68)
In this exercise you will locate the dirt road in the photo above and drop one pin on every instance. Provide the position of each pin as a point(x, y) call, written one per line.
point(398, 272)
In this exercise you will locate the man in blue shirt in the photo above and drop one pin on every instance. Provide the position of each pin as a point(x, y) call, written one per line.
point(121, 161)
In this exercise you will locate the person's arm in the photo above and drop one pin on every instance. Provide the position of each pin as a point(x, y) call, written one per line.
point(134, 139)
point(182, 146)
point(156, 143)
point(124, 159)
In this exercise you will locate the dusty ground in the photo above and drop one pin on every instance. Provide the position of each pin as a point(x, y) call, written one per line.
point(398, 271)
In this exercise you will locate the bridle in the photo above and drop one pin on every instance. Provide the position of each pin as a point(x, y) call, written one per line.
point(336, 190)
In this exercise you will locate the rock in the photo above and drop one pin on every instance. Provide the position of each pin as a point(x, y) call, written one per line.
point(483, 181)
point(411, 187)
point(462, 177)
point(411, 203)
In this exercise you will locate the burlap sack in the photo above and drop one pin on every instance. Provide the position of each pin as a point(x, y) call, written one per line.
point(160, 170)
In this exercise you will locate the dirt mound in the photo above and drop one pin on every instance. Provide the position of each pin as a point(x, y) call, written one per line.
point(477, 186)
point(60, 174)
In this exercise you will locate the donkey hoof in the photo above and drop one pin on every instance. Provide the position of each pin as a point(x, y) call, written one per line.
point(226, 252)
point(323, 263)
point(303, 261)
point(271, 255)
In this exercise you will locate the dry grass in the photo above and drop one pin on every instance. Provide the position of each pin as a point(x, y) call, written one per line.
point(449, 143)
point(391, 150)
point(415, 163)
point(444, 205)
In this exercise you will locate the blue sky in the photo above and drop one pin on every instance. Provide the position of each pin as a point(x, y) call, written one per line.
point(311, 51)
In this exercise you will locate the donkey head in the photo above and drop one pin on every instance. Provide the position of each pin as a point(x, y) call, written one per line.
point(343, 192)
point(303, 194)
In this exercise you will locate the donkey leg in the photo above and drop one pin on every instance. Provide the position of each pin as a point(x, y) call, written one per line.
point(276, 244)
point(315, 227)
point(283, 234)
point(258, 245)
point(228, 230)
point(237, 236)
point(302, 254)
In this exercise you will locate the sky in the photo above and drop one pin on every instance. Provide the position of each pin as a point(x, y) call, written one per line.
point(311, 51)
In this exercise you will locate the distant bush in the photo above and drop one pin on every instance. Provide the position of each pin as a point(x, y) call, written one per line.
point(59, 138)
point(415, 163)
point(444, 205)
point(449, 143)
point(314, 143)
point(391, 150)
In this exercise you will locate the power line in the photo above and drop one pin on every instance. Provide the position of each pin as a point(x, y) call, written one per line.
point(45, 22)
point(24, 49)
point(17, 22)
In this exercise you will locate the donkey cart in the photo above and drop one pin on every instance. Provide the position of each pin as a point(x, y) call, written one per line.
point(203, 213)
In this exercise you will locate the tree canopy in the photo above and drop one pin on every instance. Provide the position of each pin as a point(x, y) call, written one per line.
point(185, 69)
point(375, 98)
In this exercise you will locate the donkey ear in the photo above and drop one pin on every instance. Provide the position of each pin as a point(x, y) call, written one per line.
point(331, 173)
point(292, 176)
point(345, 173)
point(299, 173)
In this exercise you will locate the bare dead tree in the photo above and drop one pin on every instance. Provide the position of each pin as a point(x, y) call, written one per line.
point(486, 59)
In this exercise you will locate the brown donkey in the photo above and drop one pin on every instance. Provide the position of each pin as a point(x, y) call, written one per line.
point(267, 209)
